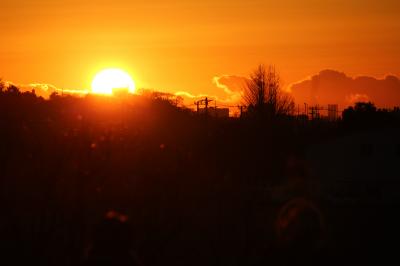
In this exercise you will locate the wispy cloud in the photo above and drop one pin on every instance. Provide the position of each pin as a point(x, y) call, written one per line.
point(232, 85)
point(186, 94)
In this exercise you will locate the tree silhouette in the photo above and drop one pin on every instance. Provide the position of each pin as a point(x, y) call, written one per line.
point(1, 85)
point(263, 93)
point(367, 115)
point(13, 90)
point(365, 107)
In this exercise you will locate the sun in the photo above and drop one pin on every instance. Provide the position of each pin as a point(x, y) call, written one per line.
point(109, 80)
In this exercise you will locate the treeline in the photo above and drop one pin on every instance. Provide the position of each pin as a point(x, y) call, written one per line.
point(366, 115)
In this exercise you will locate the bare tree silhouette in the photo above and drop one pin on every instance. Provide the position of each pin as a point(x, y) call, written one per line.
point(263, 93)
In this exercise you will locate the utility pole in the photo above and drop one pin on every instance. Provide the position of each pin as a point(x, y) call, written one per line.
point(205, 101)
point(315, 112)
point(306, 109)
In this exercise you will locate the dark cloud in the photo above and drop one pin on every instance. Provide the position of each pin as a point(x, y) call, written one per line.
point(331, 86)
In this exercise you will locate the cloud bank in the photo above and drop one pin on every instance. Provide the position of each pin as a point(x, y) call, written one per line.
point(334, 87)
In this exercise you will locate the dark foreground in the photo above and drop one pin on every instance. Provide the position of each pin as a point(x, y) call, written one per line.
point(94, 180)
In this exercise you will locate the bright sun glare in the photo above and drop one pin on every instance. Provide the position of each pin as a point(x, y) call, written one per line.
point(109, 80)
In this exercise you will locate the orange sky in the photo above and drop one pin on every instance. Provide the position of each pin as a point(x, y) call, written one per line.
point(181, 45)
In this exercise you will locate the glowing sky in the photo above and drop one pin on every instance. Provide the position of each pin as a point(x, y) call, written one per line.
point(181, 45)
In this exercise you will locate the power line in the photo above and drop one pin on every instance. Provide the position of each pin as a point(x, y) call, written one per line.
point(311, 111)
